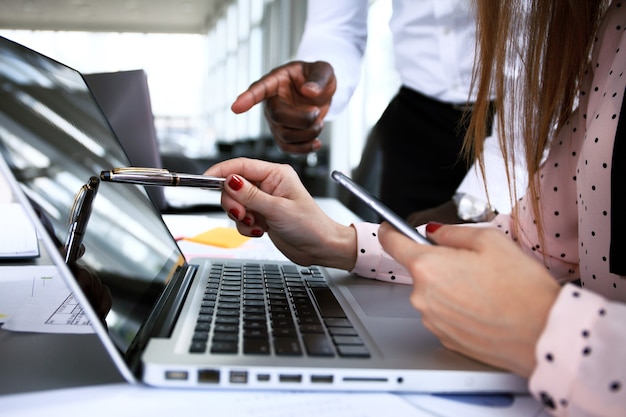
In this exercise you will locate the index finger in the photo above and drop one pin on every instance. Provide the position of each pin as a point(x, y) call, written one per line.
point(251, 169)
point(258, 91)
point(400, 247)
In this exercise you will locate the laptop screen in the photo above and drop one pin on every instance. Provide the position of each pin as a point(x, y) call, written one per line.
point(54, 137)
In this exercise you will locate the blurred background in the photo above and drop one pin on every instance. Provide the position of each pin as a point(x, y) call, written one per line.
point(198, 55)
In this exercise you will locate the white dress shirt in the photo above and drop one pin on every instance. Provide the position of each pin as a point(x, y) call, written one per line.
point(433, 43)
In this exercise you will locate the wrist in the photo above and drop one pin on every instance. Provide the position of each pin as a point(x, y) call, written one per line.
point(341, 250)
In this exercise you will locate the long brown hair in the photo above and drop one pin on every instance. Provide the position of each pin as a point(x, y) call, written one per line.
point(531, 55)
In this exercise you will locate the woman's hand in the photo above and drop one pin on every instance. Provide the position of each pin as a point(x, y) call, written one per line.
point(267, 197)
point(477, 292)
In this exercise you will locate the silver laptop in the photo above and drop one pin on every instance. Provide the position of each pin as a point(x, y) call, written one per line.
point(216, 323)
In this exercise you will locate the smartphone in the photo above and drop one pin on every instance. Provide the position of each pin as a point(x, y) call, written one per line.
point(382, 210)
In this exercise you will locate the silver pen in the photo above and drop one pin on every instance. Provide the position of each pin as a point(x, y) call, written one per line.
point(160, 177)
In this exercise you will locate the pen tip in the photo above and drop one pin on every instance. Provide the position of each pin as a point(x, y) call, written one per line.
point(105, 175)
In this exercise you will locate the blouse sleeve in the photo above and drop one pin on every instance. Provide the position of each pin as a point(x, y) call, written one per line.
point(581, 356)
point(372, 261)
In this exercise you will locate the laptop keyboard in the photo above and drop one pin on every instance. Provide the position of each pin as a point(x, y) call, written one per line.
point(271, 309)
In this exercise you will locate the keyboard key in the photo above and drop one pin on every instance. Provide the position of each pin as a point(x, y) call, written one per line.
point(197, 347)
point(353, 351)
point(318, 344)
point(224, 347)
point(256, 346)
point(287, 346)
point(342, 331)
point(347, 340)
point(225, 337)
point(327, 303)
point(200, 336)
point(226, 328)
point(284, 331)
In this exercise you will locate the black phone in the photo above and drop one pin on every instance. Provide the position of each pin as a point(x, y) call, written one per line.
point(382, 210)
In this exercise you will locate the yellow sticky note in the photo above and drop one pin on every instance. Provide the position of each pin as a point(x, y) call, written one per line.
point(224, 237)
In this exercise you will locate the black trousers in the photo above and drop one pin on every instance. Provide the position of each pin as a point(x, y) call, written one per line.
point(420, 141)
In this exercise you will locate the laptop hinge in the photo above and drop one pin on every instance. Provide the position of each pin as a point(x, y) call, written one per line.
point(164, 314)
point(171, 303)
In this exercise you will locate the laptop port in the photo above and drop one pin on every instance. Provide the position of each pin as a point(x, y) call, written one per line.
point(322, 379)
point(209, 376)
point(362, 379)
point(263, 377)
point(290, 378)
point(238, 377)
point(177, 375)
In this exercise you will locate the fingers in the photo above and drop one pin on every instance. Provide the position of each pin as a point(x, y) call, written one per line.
point(295, 131)
point(255, 189)
point(314, 80)
point(400, 247)
point(97, 293)
point(286, 77)
point(469, 236)
point(297, 118)
point(252, 169)
point(297, 97)
point(320, 79)
point(261, 90)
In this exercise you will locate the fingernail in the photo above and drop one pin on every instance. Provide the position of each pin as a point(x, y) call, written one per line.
point(234, 213)
point(257, 232)
point(313, 86)
point(247, 221)
point(235, 183)
point(432, 227)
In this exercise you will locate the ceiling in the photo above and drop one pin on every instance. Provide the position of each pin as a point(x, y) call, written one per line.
point(170, 16)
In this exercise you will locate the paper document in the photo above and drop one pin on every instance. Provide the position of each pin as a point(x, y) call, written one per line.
point(35, 299)
point(18, 237)
point(184, 226)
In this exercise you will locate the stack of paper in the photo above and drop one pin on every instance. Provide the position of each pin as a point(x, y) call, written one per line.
point(18, 238)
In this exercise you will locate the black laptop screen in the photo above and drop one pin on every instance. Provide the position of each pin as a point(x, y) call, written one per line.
point(54, 138)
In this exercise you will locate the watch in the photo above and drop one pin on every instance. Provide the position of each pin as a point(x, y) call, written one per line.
point(471, 209)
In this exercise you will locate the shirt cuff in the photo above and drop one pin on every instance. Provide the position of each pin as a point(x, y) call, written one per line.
point(563, 345)
point(372, 261)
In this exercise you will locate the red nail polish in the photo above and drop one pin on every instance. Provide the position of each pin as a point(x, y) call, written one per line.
point(257, 232)
point(235, 183)
point(247, 221)
point(234, 213)
point(432, 227)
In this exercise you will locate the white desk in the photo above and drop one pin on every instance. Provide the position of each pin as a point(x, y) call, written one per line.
point(54, 374)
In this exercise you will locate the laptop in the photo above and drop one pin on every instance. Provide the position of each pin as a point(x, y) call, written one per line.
point(213, 323)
